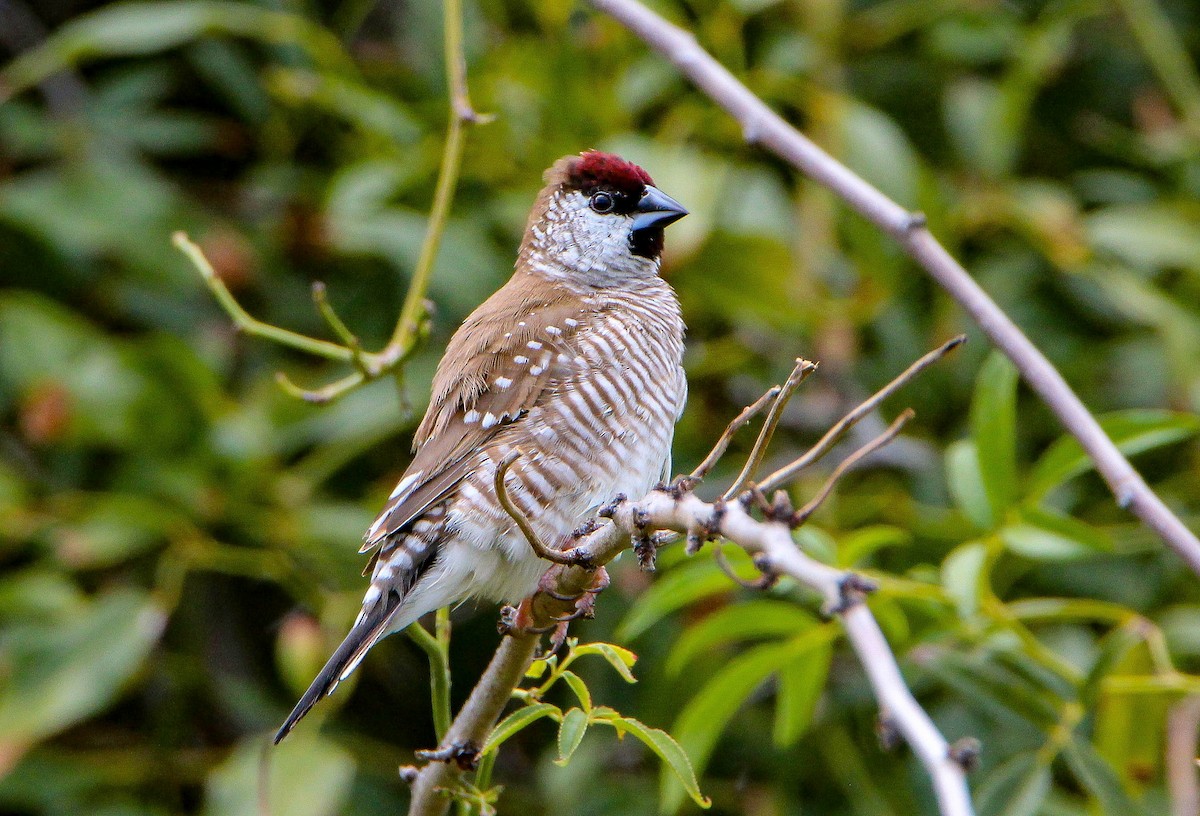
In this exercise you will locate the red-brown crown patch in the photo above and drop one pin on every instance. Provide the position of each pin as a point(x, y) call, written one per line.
point(595, 170)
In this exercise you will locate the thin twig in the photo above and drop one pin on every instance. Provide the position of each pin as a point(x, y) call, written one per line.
point(850, 461)
point(789, 471)
point(251, 325)
point(320, 297)
point(718, 450)
point(762, 126)
point(461, 115)
point(522, 520)
point(799, 374)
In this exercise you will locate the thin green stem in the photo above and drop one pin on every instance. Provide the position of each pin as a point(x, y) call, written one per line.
point(437, 649)
point(250, 325)
point(461, 114)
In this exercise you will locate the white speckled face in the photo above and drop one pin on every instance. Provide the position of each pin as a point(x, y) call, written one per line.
point(576, 242)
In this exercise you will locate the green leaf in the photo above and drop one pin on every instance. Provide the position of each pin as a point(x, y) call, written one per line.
point(706, 715)
point(62, 672)
point(966, 484)
point(681, 586)
point(994, 431)
point(1134, 431)
point(672, 755)
point(580, 688)
point(753, 619)
point(858, 545)
point(618, 657)
point(1044, 536)
point(518, 720)
point(570, 733)
point(800, 686)
point(308, 776)
point(1016, 788)
point(962, 572)
point(1099, 779)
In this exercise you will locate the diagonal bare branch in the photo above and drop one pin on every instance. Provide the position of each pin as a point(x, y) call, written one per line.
point(762, 126)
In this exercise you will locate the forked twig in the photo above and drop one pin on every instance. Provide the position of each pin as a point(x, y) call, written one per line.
point(850, 461)
point(718, 450)
point(799, 374)
point(522, 520)
point(788, 472)
point(320, 297)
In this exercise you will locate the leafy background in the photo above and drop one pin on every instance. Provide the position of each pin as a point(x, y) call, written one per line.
point(178, 536)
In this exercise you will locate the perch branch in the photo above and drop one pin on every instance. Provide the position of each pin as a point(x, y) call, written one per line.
point(769, 541)
point(762, 126)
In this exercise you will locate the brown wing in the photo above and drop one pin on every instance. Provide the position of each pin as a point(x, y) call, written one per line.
point(495, 369)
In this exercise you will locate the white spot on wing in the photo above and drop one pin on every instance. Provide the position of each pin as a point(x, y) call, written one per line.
point(405, 484)
point(489, 419)
point(553, 330)
point(471, 416)
point(503, 382)
point(572, 322)
point(534, 344)
point(520, 359)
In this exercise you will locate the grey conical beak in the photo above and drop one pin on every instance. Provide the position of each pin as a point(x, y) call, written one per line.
point(656, 209)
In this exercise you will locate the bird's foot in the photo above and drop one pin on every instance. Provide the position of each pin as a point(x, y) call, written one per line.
point(515, 620)
point(585, 606)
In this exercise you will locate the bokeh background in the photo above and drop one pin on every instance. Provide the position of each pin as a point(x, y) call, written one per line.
point(178, 537)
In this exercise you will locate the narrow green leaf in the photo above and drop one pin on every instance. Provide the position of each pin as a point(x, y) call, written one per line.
point(858, 545)
point(618, 657)
point(800, 686)
point(307, 776)
point(962, 572)
point(1040, 543)
point(580, 688)
point(678, 587)
point(744, 621)
point(62, 672)
point(1134, 431)
point(518, 720)
point(1099, 779)
point(1016, 788)
point(966, 484)
point(672, 755)
point(570, 733)
point(994, 431)
point(706, 715)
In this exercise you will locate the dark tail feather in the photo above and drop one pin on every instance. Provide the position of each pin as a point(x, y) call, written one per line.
point(361, 638)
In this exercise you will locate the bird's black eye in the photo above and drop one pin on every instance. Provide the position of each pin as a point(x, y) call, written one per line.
point(602, 202)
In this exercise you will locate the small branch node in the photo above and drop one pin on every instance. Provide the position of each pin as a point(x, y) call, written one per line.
point(609, 510)
point(409, 774)
point(766, 581)
point(853, 589)
point(965, 753)
point(463, 754)
point(587, 528)
point(914, 221)
point(888, 732)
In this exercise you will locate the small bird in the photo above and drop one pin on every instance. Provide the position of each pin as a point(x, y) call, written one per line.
point(577, 363)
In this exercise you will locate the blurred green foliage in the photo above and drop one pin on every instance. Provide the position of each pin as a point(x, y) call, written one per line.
point(179, 537)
